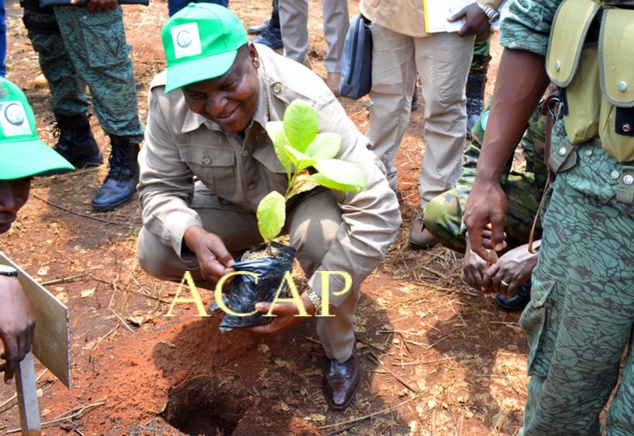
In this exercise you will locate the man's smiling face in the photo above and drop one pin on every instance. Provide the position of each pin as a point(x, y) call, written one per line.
point(231, 99)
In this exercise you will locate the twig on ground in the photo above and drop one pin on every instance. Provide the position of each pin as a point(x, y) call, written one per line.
point(4, 403)
point(399, 379)
point(143, 294)
point(70, 278)
point(109, 333)
point(370, 344)
point(62, 417)
point(418, 362)
point(429, 347)
point(362, 418)
point(125, 324)
point(90, 217)
point(401, 332)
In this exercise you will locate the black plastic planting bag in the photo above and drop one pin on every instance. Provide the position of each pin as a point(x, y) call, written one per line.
point(247, 290)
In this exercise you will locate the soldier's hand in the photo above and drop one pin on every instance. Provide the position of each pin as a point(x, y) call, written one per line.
point(511, 271)
point(485, 209)
point(473, 268)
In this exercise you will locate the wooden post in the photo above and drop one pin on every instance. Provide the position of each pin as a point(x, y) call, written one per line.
point(27, 397)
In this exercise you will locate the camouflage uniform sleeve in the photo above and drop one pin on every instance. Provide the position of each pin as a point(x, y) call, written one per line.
point(526, 25)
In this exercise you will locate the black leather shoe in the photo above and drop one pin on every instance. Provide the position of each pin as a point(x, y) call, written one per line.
point(258, 28)
point(341, 381)
point(517, 302)
point(272, 37)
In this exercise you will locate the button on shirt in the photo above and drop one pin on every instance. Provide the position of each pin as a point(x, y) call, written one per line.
point(243, 168)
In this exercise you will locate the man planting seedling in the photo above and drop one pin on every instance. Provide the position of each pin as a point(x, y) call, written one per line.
point(263, 274)
point(208, 162)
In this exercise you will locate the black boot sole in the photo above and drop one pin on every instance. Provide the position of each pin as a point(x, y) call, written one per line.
point(112, 206)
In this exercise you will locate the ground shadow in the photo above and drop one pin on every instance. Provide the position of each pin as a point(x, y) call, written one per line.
point(490, 348)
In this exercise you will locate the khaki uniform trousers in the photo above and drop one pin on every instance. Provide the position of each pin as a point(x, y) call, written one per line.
point(312, 225)
point(442, 61)
point(294, 24)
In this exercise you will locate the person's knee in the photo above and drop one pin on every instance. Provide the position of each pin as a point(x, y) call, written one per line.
point(442, 217)
point(155, 258)
point(313, 228)
point(435, 215)
point(146, 259)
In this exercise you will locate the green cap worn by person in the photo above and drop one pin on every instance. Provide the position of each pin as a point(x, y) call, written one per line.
point(22, 156)
point(201, 42)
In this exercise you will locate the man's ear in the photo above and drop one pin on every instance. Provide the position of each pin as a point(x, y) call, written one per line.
point(253, 54)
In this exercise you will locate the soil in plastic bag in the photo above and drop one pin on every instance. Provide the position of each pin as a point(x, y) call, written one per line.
point(245, 292)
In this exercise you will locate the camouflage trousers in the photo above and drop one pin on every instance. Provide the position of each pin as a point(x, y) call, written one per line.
point(481, 56)
point(89, 49)
point(443, 214)
point(579, 321)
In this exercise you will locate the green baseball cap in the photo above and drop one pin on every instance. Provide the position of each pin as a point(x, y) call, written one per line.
point(201, 42)
point(22, 154)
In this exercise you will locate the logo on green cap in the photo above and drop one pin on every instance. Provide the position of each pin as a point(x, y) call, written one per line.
point(13, 120)
point(186, 40)
point(14, 113)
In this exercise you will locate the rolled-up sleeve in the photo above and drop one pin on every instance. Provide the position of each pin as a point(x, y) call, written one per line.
point(526, 25)
point(370, 218)
point(166, 184)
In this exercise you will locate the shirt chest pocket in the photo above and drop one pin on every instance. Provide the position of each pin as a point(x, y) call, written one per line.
point(214, 166)
point(273, 170)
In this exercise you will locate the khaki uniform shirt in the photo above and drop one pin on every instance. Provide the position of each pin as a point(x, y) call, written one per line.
point(404, 16)
point(242, 168)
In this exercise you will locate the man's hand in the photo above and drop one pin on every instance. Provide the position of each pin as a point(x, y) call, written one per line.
point(16, 325)
point(473, 268)
point(213, 257)
point(99, 5)
point(285, 316)
point(513, 269)
point(485, 209)
point(476, 21)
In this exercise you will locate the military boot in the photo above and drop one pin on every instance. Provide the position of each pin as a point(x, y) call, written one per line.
point(120, 184)
point(76, 142)
point(475, 98)
point(272, 36)
point(260, 28)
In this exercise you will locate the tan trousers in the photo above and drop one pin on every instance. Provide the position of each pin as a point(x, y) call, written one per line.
point(294, 24)
point(312, 226)
point(442, 61)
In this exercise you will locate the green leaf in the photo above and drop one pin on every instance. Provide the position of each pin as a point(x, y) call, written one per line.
point(340, 175)
point(300, 160)
point(300, 124)
point(271, 215)
point(325, 146)
point(275, 129)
